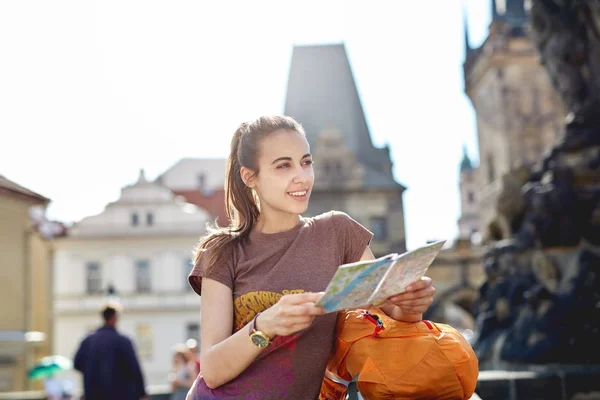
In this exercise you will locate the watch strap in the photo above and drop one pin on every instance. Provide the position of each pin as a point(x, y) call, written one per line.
point(253, 323)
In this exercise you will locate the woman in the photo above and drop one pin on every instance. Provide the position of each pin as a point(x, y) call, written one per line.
point(263, 336)
point(182, 374)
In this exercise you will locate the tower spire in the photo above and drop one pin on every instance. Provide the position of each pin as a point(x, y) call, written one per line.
point(494, 11)
point(465, 163)
point(468, 48)
point(515, 12)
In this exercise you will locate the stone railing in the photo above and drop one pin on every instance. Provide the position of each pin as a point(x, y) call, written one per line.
point(131, 301)
point(156, 392)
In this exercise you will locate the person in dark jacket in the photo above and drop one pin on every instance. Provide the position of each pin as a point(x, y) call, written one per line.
point(109, 364)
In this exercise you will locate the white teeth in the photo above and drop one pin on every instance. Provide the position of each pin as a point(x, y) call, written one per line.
point(298, 193)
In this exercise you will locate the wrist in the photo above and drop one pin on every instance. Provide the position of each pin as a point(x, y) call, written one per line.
point(261, 324)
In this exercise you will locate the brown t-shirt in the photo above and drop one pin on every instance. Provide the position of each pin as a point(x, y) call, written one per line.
point(259, 272)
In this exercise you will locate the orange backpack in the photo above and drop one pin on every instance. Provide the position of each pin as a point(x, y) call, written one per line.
point(399, 360)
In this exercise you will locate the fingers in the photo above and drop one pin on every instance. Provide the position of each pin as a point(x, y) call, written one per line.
point(415, 306)
point(301, 304)
point(417, 298)
point(292, 313)
point(421, 284)
point(301, 298)
point(427, 292)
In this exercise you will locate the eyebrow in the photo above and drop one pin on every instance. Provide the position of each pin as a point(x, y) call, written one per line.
point(289, 158)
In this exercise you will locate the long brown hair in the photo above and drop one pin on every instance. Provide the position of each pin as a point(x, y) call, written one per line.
point(240, 202)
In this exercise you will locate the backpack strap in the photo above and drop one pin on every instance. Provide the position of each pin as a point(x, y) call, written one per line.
point(352, 390)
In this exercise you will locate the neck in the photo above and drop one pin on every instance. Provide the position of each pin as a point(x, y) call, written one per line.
point(270, 222)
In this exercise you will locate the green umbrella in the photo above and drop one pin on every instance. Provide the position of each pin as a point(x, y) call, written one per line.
point(48, 366)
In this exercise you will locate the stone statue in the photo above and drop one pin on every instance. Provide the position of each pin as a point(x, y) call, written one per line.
point(567, 35)
point(541, 300)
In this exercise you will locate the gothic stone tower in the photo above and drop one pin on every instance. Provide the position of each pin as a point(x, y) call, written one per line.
point(519, 116)
point(352, 175)
point(468, 224)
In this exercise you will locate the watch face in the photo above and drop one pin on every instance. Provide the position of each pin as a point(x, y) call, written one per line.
point(259, 341)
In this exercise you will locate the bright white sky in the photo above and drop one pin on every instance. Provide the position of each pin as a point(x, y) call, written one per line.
point(92, 91)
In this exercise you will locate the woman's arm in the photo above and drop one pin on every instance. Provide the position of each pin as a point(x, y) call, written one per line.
point(410, 305)
point(224, 356)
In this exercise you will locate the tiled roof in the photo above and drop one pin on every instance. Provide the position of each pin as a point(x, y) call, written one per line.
point(213, 202)
point(9, 187)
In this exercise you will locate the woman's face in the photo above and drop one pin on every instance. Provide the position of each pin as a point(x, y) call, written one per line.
point(179, 359)
point(286, 175)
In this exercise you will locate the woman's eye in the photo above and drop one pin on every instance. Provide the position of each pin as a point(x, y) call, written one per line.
point(282, 166)
point(309, 162)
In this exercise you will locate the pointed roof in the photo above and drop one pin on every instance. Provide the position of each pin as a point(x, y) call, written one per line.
point(494, 10)
point(515, 12)
point(466, 163)
point(9, 187)
point(468, 49)
point(322, 94)
point(512, 12)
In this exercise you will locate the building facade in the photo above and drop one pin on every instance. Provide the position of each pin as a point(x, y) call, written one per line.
point(519, 115)
point(140, 249)
point(25, 293)
point(201, 182)
point(352, 175)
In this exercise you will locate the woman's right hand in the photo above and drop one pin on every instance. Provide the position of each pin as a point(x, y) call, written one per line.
point(292, 313)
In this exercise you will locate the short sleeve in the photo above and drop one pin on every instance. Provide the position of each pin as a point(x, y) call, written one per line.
point(352, 237)
point(223, 272)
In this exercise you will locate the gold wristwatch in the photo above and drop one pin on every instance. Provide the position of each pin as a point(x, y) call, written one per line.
point(259, 338)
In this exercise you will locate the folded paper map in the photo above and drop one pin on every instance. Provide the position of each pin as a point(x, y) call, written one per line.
point(366, 283)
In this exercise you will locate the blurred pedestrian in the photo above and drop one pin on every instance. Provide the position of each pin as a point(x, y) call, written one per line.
point(192, 345)
point(108, 362)
point(183, 372)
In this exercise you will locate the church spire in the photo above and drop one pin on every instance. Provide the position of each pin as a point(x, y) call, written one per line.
point(494, 11)
point(509, 11)
point(515, 12)
point(468, 48)
point(466, 163)
point(321, 94)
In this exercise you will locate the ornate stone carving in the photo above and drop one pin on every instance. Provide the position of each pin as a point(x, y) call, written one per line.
point(541, 300)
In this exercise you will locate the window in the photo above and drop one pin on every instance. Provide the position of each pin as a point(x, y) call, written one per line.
point(134, 219)
point(149, 219)
point(193, 332)
point(491, 171)
point(379, 228)
point(338, 167)
point(143, 335)
point(142, 276)
point(201, 181)
point(471, 197)
point(187, 267)
point(93, 278)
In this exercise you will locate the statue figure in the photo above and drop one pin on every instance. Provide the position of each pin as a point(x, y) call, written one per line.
point(540, 301)
point(567, 35)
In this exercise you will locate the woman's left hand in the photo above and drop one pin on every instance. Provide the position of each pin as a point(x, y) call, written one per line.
point(412, 303)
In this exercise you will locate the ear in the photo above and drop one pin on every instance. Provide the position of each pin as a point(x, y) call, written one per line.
point(248, 177)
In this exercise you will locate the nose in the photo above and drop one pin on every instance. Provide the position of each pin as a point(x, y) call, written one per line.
point(301, 175)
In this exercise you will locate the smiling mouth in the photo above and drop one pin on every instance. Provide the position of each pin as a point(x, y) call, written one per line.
point(298, 194)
